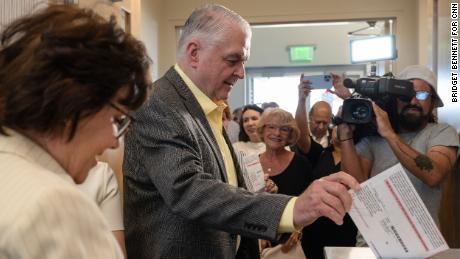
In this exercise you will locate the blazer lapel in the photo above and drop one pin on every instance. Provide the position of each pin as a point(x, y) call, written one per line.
point(198, 115)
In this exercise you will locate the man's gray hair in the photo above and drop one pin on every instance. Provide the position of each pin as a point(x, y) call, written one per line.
point(209, 23)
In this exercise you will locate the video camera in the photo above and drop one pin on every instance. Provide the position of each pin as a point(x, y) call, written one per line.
point(383, 91)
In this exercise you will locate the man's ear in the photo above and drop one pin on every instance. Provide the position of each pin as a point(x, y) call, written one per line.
point(192, 53)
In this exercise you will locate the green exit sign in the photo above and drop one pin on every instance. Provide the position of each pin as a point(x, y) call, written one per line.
point(301, 53)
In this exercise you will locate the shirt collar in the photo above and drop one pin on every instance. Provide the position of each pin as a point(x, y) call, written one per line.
point(22, 146)
point(325, 135)
point(205, 102)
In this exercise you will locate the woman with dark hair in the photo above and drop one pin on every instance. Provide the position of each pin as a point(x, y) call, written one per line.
point(68, 79)
point(249, 141)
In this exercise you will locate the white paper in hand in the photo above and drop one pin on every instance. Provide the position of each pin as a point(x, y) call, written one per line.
point(393, 219)
point(253, 173)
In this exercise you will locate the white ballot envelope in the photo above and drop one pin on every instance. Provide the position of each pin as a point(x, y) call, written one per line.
point(393, 219)
point(253, 173)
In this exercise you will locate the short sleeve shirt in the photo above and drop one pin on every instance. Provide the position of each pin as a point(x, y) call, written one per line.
point(378, 150)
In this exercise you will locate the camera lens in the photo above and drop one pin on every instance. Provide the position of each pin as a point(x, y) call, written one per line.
point(357, 111)
point(360, 112)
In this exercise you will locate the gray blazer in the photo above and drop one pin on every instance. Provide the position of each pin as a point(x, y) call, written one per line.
point(176, 200)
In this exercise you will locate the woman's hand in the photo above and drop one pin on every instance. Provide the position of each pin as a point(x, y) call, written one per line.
point(270, 186)
point(264, 244)
point(291, 242)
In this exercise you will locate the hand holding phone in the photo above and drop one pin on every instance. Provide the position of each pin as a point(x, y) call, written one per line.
point(319, 81)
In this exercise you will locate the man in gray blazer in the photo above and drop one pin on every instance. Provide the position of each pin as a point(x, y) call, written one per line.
point(184, 194)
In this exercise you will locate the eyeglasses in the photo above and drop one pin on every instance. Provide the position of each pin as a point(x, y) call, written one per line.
point(422, 95)
point(282, 129)
point(120, 123)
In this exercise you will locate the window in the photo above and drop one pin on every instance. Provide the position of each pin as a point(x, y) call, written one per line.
point(280, 85)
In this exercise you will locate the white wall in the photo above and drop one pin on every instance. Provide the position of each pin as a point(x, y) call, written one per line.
point(145, 21)
point(331, 41)
point(268, 11)
point(105, 8)
point(175, 12)
point(12, 10)
point(425, 32)
point(150, 31)
point(449, 113)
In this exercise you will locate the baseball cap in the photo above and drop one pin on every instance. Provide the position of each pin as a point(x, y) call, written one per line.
point(425, 74)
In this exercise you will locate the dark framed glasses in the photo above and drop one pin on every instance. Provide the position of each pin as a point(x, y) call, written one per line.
point(422, 95)
point(120, 123)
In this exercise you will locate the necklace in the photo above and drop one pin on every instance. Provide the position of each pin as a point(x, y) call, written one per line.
point(277, 163)
point(270, 165)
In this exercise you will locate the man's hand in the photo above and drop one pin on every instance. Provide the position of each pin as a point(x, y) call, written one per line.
point(326, 197)
point(345, 131)
point(339, 89)
point(383, 122)
point(304, 88)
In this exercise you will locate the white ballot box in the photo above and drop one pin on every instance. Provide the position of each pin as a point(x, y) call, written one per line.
point(393, 219)
point(366, 253)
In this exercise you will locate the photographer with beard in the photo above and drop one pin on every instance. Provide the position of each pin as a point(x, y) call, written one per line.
point(426, 149)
